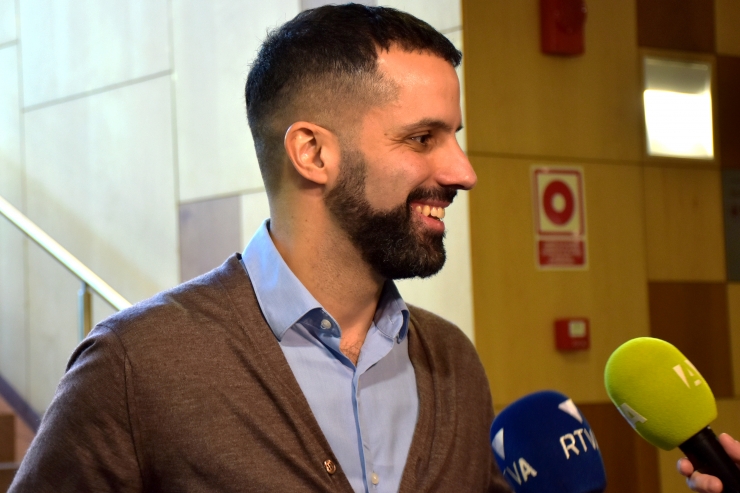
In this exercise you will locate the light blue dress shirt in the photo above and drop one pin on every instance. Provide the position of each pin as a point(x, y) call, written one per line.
point(367, 412)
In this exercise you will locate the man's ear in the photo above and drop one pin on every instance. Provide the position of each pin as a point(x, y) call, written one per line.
point(313, 151)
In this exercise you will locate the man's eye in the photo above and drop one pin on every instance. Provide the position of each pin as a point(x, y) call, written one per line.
point(422, 139)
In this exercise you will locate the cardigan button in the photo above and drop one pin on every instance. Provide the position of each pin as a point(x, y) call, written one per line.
point(330, 467)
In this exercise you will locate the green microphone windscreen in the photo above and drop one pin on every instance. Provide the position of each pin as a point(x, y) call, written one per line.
point(659, 391)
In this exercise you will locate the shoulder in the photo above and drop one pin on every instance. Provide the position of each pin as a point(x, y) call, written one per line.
point(203, 300)
point(440, 335)
point(194, 320)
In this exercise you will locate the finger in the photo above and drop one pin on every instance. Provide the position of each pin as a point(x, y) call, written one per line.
point(704, 483)
point(731, 446)
point(685, 467)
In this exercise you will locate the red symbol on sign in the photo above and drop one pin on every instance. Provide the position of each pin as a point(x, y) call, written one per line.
point(562, 211)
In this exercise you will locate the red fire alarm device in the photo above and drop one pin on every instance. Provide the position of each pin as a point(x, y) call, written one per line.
point(572, 334)
point(561, 26)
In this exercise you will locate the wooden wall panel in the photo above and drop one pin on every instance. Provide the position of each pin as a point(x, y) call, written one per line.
point(727, 412)
point(683, 211)
point(516, 305)
point(23, 433)
point(670, 480)
point(728, 109)
point(631, 463)
point(676, 25)
point(727, 20)
point(733, 305)
point(7, 438)
point(523, 102)
point(694, 318)
point(731, 218)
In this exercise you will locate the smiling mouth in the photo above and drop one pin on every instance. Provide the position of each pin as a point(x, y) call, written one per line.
point(429, 211)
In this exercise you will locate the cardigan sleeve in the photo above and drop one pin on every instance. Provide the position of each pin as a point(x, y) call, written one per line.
point(85, 441)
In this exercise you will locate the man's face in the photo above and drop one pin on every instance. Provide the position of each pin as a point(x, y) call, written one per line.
point(404, 169)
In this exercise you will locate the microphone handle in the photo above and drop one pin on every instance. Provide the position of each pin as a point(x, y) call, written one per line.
point(707, 456)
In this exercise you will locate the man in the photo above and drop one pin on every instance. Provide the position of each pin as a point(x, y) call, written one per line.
point(298, 367)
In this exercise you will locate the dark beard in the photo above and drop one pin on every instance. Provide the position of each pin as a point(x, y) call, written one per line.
point(389, 241)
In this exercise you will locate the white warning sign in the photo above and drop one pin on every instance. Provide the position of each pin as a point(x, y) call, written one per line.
point(560, 217)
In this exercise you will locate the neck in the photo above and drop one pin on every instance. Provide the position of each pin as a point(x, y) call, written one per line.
point(332, 269)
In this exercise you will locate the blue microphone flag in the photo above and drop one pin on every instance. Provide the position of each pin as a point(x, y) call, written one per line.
point(543, 444)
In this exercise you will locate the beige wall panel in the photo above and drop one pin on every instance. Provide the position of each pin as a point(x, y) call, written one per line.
point(12, 242)
point(733, 304)
point(73, 46)
point(727, 412)
point(516, 304)
point(13, 338)
point(450, 292)
point(10, 135)
point(100, 180)
point(214, 43)
point(7, 21)
point(254, 210)
point(523, 102)
point(685, 236)
point(443, 15)
point(101, 309)
point(53, 330)
point(726, 25)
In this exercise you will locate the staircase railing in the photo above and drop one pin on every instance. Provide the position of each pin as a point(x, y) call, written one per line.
point(90, 280)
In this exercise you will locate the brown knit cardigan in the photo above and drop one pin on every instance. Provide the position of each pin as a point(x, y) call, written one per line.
point(190, 392)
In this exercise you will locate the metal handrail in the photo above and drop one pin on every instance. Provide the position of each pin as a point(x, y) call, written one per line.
point(89, 279)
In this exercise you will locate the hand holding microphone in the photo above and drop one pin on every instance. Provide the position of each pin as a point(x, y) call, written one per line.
point(543, 444)
point(667, 401)
point(704, 483)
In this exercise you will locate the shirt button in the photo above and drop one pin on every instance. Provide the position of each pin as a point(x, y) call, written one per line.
point(374, 478)
point(330, 467)
point(325, 324)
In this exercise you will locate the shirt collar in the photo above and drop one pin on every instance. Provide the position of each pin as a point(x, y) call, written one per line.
point(390, 307)
point(284, 300)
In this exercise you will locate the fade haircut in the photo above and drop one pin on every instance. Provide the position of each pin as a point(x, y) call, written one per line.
point(321, 67)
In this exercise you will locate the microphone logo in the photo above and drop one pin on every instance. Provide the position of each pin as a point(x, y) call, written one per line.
point(519, 474)
point(570, 408)
point(568, 441)
point(523, 473)
point(691, 374)
point(631, 415)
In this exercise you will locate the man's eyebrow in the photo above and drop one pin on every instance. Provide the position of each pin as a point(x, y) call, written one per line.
point(430, 123)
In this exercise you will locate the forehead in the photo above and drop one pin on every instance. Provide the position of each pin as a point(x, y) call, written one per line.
point(426, 87)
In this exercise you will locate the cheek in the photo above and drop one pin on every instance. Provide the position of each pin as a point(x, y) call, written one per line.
point(386, 190)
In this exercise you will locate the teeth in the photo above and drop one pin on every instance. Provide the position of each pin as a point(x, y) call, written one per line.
point(427, 210)
point(438, 212)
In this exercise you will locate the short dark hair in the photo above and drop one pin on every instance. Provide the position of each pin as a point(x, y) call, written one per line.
point(321, 61)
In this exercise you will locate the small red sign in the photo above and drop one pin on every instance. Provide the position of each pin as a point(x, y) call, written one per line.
point(572, 334)
point(560, 218)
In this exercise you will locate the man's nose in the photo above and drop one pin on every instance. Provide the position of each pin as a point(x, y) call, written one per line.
point(455, 169)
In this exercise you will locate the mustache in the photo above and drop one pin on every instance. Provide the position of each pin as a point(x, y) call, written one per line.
point(445, 194)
